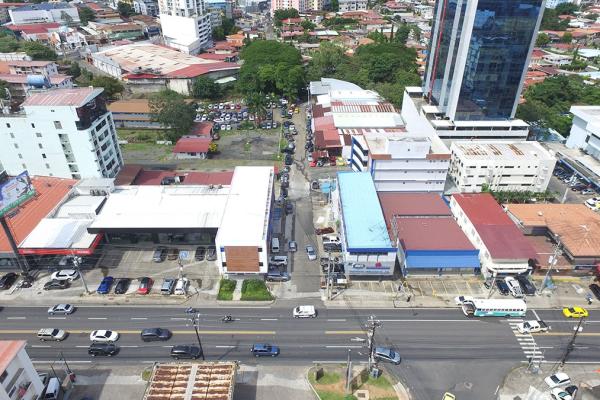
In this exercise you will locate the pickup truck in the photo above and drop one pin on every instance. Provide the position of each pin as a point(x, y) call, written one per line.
point(532, 327)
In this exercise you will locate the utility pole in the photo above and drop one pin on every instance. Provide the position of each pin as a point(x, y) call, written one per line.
point(349, 371)
point(552, 261)
point(195, 320)
point(76, 263)
point(328, 275)
point(372, 325)
point(492, 285)
point(571, 344)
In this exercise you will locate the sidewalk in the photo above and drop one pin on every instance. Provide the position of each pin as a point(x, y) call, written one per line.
point(520, 383)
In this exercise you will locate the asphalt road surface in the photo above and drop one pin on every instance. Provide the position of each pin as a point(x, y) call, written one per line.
point(440, 348)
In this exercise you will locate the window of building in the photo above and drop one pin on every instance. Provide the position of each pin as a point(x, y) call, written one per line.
point(20, 156)
point(43, 155)
point(48, 166)
point(32, 125)
point(16, 145)
point(38, 134)
point(4, 374)
point(57, 125)
point(40, 146)
point(7, 125)
point(12, 135)
point(24, 166)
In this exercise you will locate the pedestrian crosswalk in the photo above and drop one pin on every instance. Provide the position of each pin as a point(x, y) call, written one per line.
point(527, 342)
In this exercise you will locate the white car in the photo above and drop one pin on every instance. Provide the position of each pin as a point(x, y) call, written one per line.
point(65, 309)
point(513, 286)
point(104, 336)
point(65, 275)
point(311, 253)
point(305, 312)
point(459, 300)
point(532, 327)
point(560, 394)
point(558, 379)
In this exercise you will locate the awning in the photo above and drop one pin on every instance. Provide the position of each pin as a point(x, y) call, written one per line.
point(443, 260)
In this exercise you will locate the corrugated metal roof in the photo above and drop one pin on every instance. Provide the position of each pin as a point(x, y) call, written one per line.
point(74, 97)
point(412, 204)
point(436, 233)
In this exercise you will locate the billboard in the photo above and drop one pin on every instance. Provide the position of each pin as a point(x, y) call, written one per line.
point(15, 191)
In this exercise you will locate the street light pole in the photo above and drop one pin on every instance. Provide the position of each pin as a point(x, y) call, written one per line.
point(372, 325)
point(76, 262)
point(552, 261)
point(571, 344)
point(196, 321)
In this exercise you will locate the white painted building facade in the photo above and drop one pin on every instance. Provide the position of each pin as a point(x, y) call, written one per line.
point(501, 166)
point(352, 5)
point(42, 13)
point(585, 132)
point(65, 133)
point(400, 163)
point(186, 25)
point(18, 377)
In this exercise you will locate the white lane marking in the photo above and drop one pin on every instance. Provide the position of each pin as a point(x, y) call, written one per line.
point(148, 362)
point(225, 347)
point(39, 346)
point(430, 320)
point(97, 318)
point(70, 362)
point(130, 346)
point(16, 317)
point(344, 347)
point(179, 319)
point(515, 320)
point(82, 347)
point(57, 317)
point(546, 347)
point(269, 319)
point(168, 347)
point(336, 320)
point(328, 362)
point(536, 315)
point(139, 318)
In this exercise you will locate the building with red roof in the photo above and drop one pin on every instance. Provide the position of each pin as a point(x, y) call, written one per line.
point(192, 147)
point(503, 247)
point(132, 174)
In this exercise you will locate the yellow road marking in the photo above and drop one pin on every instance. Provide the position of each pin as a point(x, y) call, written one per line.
point(344, 332)
point(188, 332)
point(566, 334)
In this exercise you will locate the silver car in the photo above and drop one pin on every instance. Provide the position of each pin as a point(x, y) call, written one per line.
point(311, 253)
point(387, 354)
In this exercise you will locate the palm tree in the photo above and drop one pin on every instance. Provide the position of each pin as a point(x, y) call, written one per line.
point(257, 105)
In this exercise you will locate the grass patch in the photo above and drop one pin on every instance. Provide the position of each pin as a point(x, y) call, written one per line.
point(140, 135)
point(255, 290)
point(329, 378)
point(146, 374)
point(226, 288)
point(380, 382)
point(334, 396)
point(147, 146)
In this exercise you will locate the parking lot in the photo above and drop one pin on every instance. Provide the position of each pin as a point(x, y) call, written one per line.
point(569, 187)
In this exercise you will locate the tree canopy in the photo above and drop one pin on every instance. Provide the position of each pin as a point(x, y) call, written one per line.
point(170, 109)
point(282, 14)
point(551, 22)
point(548, 102)
point(125, 9)
point(205, 88)
point(38, 51)
point(271, 67)
point(542, 40)
point(227, 27)
point(86, 15)
point(112, 86)
point(3, 87)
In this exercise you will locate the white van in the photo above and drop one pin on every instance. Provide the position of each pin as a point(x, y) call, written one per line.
point(52, 390)
point(274, 245)
point(513, 287)
point(182, 286)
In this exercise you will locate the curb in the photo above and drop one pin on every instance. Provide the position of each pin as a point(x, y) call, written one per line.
point(310, 384)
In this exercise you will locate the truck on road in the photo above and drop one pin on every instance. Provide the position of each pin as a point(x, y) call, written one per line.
point(533, 326)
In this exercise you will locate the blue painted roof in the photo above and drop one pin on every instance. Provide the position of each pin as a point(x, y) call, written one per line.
point(443, 259)
point(44, 6)
point(363, 218)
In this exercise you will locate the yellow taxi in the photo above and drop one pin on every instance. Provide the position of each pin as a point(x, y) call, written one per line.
point(575, 312)
point(449, 396)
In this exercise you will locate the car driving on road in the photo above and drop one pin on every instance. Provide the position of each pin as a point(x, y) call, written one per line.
point(387, 354)
point(64, 309)
point(305, 312)
point(575, 312)
point(155, 334)
point(261, 350)
point(183, 351)
point(102, 349)
point(311, 253)
point(104, 336)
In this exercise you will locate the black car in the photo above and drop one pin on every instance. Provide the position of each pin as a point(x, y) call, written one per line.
point(102, 349)
point(595, 290)
point(289, 160)
point(7, 280)
point(185, 351)
point(200, 253)
point(526, 285)
point(155, 334)
point(283, 192)
point(502, 287)
point(56, 285)
point(122, 285)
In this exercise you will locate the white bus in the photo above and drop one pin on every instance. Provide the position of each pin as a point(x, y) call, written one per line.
point(494, 308)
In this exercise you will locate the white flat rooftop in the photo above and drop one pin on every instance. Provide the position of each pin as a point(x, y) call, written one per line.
point(80, 206)
point(60, 233)
point(367, 120)
point(505, 150)
point(131, 207)
point(247, 212)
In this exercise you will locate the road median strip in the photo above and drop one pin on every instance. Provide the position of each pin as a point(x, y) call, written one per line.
point(137, 332)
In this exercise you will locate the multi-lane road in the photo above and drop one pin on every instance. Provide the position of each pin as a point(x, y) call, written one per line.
point(436, 337)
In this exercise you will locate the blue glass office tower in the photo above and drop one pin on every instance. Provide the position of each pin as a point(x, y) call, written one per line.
point(478, 56)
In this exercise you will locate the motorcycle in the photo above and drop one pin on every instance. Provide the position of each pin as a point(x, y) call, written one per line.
point(227, 318)
point(191, 310)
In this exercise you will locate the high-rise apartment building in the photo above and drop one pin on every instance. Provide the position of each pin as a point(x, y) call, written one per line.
point(477, 61)
point(66, 133)
point(186, 25)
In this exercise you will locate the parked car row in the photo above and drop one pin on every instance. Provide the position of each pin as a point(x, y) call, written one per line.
point(560, 386)
point(593, 203)
point(575, 183)
point(517, 286)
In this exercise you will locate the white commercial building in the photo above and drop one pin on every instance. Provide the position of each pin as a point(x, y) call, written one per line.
point(18, 377)
point(67, 133)
point(429, 119)
point(398, 162)
point(185, 25)
point(500, 166)
point(235, 218)
point(585, 132)
point(44, 12)
point(553, 3)
point(352, 5)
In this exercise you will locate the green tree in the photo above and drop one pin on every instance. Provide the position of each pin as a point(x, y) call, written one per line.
point(205, 88)
point(566, 9)
point(218, 33)
point(282, 14)
point(307, 25)
point(335, 5)
point(402, 34)
point(173, 113)
point(38, 51)
point(124, 9)
point(325, 61)
point(377, 37)
point(112, 86)
point(542, 40)
point(74, 70)
point(567, 37)
point(257, 105)
point(229, 27)
point(551, 22)
point(3, 90)
point(86, 15)
point(8, 44)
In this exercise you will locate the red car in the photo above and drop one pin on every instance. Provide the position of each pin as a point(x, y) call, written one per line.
point(323, 231)
point(145, 285)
